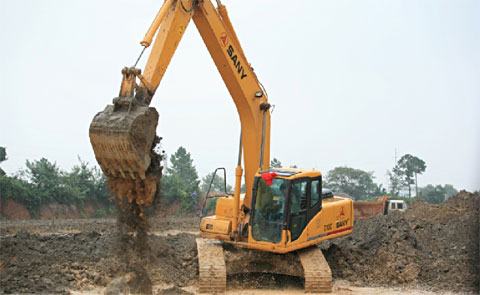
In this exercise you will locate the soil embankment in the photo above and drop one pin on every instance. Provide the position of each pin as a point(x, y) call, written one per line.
point(432, 245)
point(12, 210)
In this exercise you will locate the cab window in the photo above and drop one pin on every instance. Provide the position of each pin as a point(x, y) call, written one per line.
point(269, 208)
point(299, 197)
point(315, 194)
point(270, 201)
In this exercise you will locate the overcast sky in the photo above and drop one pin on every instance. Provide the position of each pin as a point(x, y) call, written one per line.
point(354, 83)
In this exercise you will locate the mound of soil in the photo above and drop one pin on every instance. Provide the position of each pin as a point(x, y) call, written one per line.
point(432, 245)
point(33, 263)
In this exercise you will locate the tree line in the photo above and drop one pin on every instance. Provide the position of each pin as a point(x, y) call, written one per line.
point(360, 185)
point(43, 181)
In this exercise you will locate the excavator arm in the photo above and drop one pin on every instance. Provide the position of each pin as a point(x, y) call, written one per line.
point(122, 135)
point(220, 38)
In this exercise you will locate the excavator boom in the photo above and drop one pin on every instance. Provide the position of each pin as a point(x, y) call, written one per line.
point(123, 134)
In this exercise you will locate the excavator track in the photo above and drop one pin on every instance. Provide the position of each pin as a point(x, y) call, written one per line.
point(212, 270)
point(317, 273)
point(215, 262)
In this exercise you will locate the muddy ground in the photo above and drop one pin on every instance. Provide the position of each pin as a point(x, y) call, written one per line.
point(431, 247)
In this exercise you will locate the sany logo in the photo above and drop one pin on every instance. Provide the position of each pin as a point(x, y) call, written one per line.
point(342, 212)
point(223, 38)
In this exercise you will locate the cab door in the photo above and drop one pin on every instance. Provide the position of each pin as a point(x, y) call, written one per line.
point(298, 207)
point(267, 217)
point(304, 203)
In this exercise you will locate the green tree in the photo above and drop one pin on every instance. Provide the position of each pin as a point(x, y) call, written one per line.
point(354, 182)
point(450, 190)
point(43, 181)
point(173, 188)
point(3, 154)
point(181, 181)
point(182, 166)
point(217, 185)
point(19, 190)
point(90, 183)
point(395, 183)
point(49, 182)
point(437, 194)
point(407, 169)
point(275, 163)
point(3, 157)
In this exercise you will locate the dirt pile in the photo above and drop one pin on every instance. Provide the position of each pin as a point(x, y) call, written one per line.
point(56, 263)
point(431, 245)
point(449, 234)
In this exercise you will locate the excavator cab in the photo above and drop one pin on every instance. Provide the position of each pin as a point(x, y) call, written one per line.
point(284, 200)
point(287, 212)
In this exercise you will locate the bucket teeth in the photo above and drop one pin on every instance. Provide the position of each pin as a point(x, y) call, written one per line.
point(122, 138)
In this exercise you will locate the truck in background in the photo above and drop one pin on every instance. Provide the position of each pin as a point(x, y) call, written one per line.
point(382, 205)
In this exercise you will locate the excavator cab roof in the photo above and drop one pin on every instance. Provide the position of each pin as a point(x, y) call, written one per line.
point(291, 173)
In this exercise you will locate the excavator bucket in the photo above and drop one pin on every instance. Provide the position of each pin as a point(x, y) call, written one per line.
point(123, 138)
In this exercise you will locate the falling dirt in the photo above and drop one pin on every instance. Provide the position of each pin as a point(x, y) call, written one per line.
point(132, 250)
point(133, 192)
point(430, 249)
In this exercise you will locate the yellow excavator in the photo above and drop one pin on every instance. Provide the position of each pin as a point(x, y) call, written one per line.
point(275, 225)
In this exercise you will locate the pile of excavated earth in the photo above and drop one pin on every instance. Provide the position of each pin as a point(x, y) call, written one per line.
point(436, 246)
point(430, 246)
